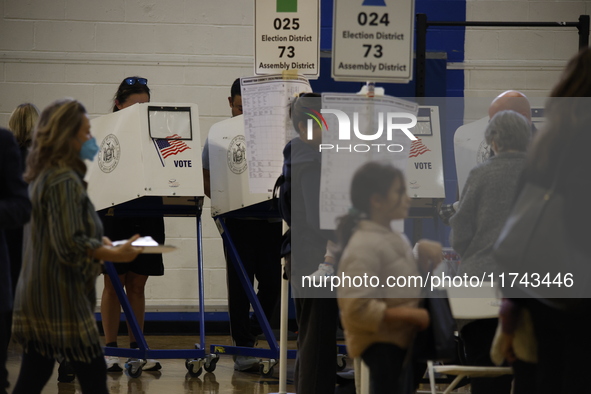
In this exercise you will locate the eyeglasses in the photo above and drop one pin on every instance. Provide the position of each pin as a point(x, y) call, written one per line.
point(133, 80)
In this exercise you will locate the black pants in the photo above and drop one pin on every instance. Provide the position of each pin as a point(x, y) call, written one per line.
point(36, 371)
point(14, 241)
point(477, 337)
point(524, 377)
point(386, 369)
point(563, 348)
point(316, 362)
point(4, 338)
point(258, 243)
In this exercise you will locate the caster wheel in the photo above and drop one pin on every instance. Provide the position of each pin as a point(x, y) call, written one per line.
point(267, 374)
point(341, 363)
point(194, 373)
point(194, 368)
point(133, 370)
point(210, 367)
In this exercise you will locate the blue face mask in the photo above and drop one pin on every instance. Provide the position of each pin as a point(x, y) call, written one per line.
point(89, 149)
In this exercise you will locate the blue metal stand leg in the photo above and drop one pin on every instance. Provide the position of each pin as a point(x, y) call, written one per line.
point(129, 316)
point(273, 351)
point(201, 293)
point(195, 358)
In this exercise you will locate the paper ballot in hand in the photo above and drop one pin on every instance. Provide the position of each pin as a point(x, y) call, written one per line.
point(149, 245)
point(141, 241)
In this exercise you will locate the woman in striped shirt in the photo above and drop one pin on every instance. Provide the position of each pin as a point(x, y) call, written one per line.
point(63, 249)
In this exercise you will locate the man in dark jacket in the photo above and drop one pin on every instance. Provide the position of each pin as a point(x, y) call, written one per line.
point(15, 211)
point(317, 316)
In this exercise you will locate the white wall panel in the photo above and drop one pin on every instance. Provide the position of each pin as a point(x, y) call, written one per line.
point(46, 93)
point(155, 11)
point(17, 35)
point(556, 10)
point(14, 94)
point(497, 10)
point(527, 59)
point(35, 72)
point(35, 9)
point(124, 38)
point(93, 10)
point(220, 12)
point(61, 36)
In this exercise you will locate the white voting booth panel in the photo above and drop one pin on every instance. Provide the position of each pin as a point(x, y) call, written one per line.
point(424, 169)
point(229, 183)
point(151, 149)
point(474, 302)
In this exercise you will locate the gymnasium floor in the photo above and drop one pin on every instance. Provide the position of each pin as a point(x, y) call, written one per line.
point(173, 377)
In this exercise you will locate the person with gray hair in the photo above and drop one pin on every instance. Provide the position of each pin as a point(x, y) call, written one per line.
point(510, 100)
point(508, 131)
point(483, 209)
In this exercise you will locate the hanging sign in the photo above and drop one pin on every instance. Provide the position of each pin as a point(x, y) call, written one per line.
point(373, 40)
point(287, 37)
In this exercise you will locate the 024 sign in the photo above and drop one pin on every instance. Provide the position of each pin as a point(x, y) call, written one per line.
point(372, 40)
point(287, 37)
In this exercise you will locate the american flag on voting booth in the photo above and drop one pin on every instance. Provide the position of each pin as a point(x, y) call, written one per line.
point(417, 148)
point(171, 145)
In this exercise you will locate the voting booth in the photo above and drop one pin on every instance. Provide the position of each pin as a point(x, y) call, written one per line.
point(147, 149)
point(231, 197)
point(149, 164)
point(228, 168)
point(424, 169)
point(245, 160)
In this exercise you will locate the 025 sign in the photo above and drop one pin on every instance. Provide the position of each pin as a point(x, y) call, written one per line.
point(287, 37)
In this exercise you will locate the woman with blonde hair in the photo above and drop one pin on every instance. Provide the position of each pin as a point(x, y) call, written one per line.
point(21, 123)
point(55, 296)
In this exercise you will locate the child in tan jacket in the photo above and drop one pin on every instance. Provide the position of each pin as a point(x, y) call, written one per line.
point(380, 303)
